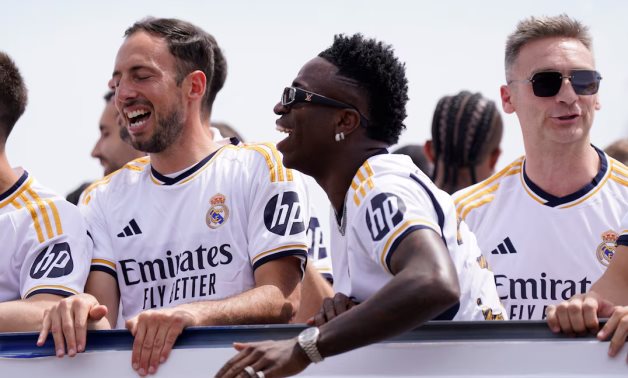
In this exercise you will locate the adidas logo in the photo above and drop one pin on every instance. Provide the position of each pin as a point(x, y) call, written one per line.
point(504, 248)
point(130, 230)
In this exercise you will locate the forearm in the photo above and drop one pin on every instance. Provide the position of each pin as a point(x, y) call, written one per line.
point(404, 303)
point(265, 304)
point(25, 314)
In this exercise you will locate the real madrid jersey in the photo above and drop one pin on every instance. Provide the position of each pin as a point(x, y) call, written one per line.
point(388, 199)
point(45, 247)
point(541, 248)
point(198, 236)
point(623, 235)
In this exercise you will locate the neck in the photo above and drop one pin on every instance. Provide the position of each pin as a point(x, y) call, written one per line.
point(194, 144)
point(565, 171)
point(337, 173)
point(8, 176)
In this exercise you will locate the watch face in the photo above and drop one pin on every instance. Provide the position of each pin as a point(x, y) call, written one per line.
point(309, 334)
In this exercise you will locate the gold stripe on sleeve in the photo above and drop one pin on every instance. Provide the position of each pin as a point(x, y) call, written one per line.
point(33, 212)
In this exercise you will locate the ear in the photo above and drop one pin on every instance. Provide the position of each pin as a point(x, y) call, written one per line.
point(506, 96)
point(349, 121)
point(493, 157)
point(196, 85)
point(598, 106)
point(428, 150)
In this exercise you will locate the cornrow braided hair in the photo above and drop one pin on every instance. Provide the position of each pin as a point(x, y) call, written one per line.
point(465, 129)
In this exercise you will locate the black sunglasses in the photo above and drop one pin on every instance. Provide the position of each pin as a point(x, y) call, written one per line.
point(548, 83)
point(293, 95)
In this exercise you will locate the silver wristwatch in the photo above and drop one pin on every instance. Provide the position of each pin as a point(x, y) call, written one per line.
point(307, 340)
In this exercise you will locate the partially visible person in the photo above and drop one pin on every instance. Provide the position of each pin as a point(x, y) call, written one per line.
point(398, 249)
point(224, 130)
point(195, 233)
point(45, 248)
point(608, 298)
point(466, 133)
point(417, 154)
point(618, 150)
point(547, 223)
point(111, 149)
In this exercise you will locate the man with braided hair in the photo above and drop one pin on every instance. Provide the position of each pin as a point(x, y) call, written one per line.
point(466, 131)
point(400, 258)
point(548, 222)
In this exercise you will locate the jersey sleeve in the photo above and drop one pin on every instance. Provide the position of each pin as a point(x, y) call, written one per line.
point(390, 209)
point(92, 209)
point(279, 213)
point(623, 233)
point(59, 251)
point(318, 249)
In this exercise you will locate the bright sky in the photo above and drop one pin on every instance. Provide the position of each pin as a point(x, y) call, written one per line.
point(66, 49)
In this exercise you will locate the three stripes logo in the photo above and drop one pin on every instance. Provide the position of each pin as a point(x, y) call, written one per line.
point(504, 248)
point(131, 229)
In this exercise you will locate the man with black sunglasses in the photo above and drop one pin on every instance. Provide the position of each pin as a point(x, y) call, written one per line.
point(548, 222)
point(398, 249)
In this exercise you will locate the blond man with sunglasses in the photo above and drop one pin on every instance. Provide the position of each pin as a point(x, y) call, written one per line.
point(548, 223)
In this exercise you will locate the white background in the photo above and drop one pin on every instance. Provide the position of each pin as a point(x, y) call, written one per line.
point(66, 49)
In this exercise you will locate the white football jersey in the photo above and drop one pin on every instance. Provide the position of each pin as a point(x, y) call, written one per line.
point(623, 236)
point(45, 246)
point(388, 199)
point(318, 232)
point(200, 235)
point(543, 249)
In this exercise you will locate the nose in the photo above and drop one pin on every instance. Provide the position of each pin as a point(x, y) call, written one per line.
point(124, 91)
point(566, 94)
point(280, 109)
point(96, 150)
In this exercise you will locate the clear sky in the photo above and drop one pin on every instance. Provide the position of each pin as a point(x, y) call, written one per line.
point(66, 49)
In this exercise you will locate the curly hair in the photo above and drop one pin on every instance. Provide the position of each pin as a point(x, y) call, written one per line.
point(13, 95)
point(466, 128)
point(374, 66)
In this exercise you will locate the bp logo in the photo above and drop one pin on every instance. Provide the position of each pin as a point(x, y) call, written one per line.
point(606, 249)
point(53, 262)
point(384, 212)
point(218, 212)
point(283, 215)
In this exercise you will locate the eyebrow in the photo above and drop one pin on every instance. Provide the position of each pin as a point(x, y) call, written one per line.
point(133, 69)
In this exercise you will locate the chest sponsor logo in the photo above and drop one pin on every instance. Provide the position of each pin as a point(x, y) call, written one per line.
point(528, 298)
point(218, 213)
point(53, 262)
point(173, 277)
point(606, 249)
point(283, 215)
point(384, 212)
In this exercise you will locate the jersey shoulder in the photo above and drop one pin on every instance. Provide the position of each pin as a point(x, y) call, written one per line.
point(265, 156)
point(482, 194)
point(118, 180)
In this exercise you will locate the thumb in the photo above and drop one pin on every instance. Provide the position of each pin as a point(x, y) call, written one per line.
point(98, 312)
point(605, 308)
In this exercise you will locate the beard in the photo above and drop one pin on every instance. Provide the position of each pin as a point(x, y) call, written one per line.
point(168, 129)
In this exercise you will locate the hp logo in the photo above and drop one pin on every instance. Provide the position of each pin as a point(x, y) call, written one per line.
point(283, 215)
point(384, 212)
point(53, 262)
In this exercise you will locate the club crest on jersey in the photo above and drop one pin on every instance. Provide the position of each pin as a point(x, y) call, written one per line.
point(606, 249)
point(218, 213)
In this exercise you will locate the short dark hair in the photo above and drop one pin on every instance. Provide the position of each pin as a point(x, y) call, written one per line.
point(374, 66)
point(466, 128)
point(13, 95)
point(194, 49)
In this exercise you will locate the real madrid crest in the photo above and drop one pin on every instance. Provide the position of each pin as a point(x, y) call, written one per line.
point(606, 249)
point(218, 213)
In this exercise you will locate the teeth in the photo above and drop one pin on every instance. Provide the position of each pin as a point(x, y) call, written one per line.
point(136, 124)
point(136, 113)
point(283, 129)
